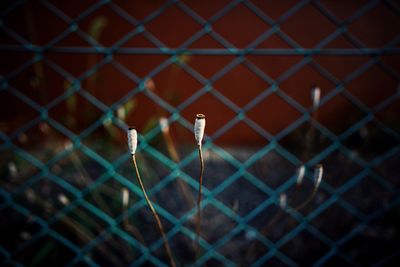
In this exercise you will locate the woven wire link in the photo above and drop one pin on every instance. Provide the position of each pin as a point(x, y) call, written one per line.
point(177, 170)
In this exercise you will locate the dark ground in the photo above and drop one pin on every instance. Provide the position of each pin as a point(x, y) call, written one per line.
point(354, 218)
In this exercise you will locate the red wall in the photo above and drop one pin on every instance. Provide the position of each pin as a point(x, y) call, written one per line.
point(37, 24)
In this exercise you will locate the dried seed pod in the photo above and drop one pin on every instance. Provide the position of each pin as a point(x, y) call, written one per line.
point(199, 126)
point(164, 125)
point(12, 169)
point(125, 197)
point(132, 140)
point(282, 200)
point(300, 174)
point(63, 199)
point(315, 96)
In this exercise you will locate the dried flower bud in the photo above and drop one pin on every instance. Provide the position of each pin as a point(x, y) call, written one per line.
point(199, 126)
point(132, 140)
point(121, 113)
point(12, 168)
point(30, 195)
point(68, 145)
point(125, 197)
point(164, 125)
point(315, 96)
point(300, 174)
point(318, 171)
point(63, 199)
point(282, 200)
point(26, 235)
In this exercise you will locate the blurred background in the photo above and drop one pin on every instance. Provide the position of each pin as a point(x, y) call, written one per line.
point(74, 75)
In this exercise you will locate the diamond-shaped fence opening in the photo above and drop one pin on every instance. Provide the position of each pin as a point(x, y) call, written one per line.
point(16, 171)
point(74, 77)
point(338, 218)
point(238, 254)
point(113, 250)
point(268, 171)
point(317, 248)
point(79, 226)
point(15, 236)
point(237, 194)
point(52, 250)
point(386, 169)
point(365, 187)
point(78, 169)
point(337, 177)
point(377, 245)
point(215, 232)
point(142, 219)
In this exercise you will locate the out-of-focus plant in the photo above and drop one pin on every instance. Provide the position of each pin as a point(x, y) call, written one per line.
point(96, 28)
point(132, 143)
point(199, 126)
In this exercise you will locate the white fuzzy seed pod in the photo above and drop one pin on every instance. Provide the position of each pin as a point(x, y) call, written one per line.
point(282, 200)
point(315, 96)
point(125, 197)
point(30, 195)
point(63, 199)
point(26, 235)
point(199, 126)
point(300, 174)
point(164, 125)
point(12, 168)
point(318, 172)
point(132, 140)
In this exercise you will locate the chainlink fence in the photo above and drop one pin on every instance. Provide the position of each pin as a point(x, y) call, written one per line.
point(75, 75)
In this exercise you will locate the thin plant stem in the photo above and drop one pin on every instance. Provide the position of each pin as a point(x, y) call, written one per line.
point(125, 221)
point(85, 234)
point(308, 200)
point(198, 222)
point(156, 217)
point(280, 213)
point(96, 196)
point(310, 137)
point(129, 227)
point(283, 211)
point(303, 204)
point(277, 216)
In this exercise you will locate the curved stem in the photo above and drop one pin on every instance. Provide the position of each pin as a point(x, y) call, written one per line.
point(159, 224)
point(308, 200)
point(280, 213)
point(198, 222)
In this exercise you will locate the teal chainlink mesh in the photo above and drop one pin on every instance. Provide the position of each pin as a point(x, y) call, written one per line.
point(48, 208)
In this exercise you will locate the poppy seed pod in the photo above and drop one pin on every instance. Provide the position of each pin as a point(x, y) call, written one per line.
point(125, 197)
point(315, 96)
point(199, 126)
point(132, 140)
point(63, 199)
point(164, 125)
point(318, 171)
point(300, 174)
point(282, 200)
